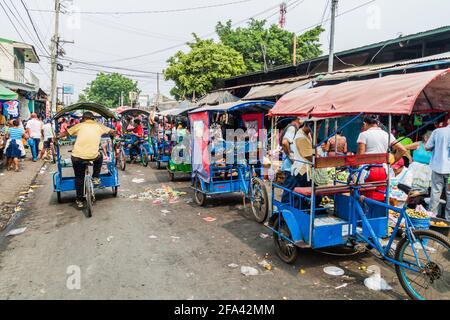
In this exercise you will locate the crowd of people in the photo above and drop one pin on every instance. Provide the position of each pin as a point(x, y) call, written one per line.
point(424, 164)
point(16, 136)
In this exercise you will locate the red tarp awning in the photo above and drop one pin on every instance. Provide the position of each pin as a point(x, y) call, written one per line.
point(396, 94)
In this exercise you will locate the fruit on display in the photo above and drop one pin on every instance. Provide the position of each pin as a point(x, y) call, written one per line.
point(416, 214)
point(439, 224)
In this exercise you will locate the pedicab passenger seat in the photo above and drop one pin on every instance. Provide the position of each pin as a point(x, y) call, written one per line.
point(333, 190)
point(343, 161)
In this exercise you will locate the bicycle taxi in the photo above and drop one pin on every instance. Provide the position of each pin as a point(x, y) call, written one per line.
point(421, 257)
point(221, 166)
point(162, 141)
point(62, 182)
point(145, 145)
point(180, 155)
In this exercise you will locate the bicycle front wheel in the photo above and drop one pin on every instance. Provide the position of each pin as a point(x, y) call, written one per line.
point(430, 279)
point(89, 193)
point(144, 157)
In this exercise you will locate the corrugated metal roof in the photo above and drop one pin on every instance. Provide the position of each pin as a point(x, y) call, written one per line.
point(230, 106)
point(275, 90)
point(217, 97)
point(436, 57)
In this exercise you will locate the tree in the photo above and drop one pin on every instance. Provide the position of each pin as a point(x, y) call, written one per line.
point(106, 90)
point(195, 73)
point(272, 46)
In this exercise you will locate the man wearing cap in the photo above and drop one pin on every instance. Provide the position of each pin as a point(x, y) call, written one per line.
point(89, 134)
point(34, 129)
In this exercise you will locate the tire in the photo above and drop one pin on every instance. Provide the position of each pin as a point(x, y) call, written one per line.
point(437, 272)
point(53, 156)
point(200, 197)
point(285, 250)
point(171, 175)
point(58, 196)
point(260, 207)
point(89, 199)
point(122, 160)
point(115, 191)
point(144, 157)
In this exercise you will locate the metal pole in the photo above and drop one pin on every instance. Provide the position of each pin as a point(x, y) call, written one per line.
point(332, 33)
point(331, 54)
point(54, 54)
point(157, 91)
point(389, 162)
point(312, 213)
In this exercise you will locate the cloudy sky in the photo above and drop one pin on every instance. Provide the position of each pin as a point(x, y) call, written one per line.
point(142, 42)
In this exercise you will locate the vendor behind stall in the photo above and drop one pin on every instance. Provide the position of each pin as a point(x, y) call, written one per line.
point(374, 140)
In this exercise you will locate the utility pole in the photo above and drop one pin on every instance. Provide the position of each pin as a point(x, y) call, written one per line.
point(334, 5)
point(157, 92)
point(54, 54)
point(332, 32)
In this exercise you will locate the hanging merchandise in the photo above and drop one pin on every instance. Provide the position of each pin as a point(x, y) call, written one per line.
point(418, 120)
point(11, 108)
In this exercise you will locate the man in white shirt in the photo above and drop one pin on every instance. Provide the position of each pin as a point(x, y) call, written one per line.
point(34, 130)
point(48, 132)
point(290, 182)
point(439, 143)
point(374, 140)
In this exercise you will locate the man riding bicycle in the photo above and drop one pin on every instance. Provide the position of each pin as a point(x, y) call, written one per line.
point(88, 136)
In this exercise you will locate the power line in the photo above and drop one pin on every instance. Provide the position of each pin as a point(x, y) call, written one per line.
point(20, 36)
point(338, 15)
point(128, 29)
point(155, 11)
point(10, 20)
point(185, 43)
point(34, 27)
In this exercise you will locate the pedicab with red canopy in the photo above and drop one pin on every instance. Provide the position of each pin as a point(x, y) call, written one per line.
point(243, 174)
point(421, 257)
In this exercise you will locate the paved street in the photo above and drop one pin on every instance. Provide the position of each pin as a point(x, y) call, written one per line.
point(132, 250)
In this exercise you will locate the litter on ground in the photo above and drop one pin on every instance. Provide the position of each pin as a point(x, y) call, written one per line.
point(165, 211)
point(209, 219)
point(233, 265)
point(263, 235)
point(333, 271)
point(136, 180)
point(249, 271)
point(377, 283)
point(266, 265)
point(342, 286)
point(17, 231)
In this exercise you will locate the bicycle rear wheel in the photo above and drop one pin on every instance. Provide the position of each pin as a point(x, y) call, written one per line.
point(122, 160)
point(432, 280)
point(89, 194)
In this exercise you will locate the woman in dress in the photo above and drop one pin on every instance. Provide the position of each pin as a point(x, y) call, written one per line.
point(14, 146)
point(420, 166)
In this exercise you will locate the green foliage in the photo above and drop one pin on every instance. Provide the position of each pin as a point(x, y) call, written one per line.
point(106, 90)
point(196, 72)
point(277, 44)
